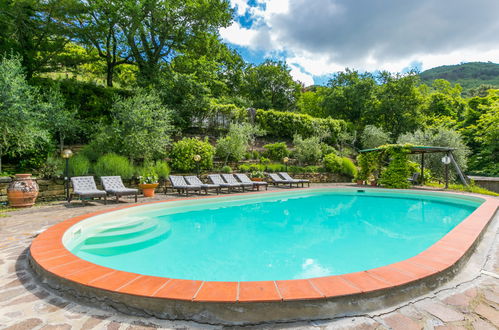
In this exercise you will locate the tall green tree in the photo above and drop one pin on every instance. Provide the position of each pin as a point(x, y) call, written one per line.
point(158, 30)
point(141, 126)
point(60, 121)
point(352, 96)
point(270, 86)
point(20, 111)
point(95, 23)
point(400, 102)
point(34, 31)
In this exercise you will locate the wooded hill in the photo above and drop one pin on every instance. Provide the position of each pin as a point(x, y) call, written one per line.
point(469, 75)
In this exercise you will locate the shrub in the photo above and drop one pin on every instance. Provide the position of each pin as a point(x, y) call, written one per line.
point(288, 124)
point(233, 146)
point(398, 170)
point(274, 167)
point(79, 165)
point(348, 168)
point(264, 160)
point(257, 167)
point(307, 151)
point(162, 169)
point(112, 164)
point(256, 154)
point(341, 165)
point(52, 167)
point(244, 168)
point(333, 163)
point(373, 137)
point(183, 151)
point(141, 126)
point(276, 151)
point(226, 169)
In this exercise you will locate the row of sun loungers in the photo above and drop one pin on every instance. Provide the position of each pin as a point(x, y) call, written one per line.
point(84, 186)
point(186, 184)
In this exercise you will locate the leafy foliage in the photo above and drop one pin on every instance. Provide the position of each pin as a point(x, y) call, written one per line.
point(270, 86)
point(443, 137)
point(113, 164)
point(373, 137)
point(79, 165)
point(341, 165)
point(468, 75)
point(307, 151)
point(396, 173)
point(20, 111)
point(234, 145)
point(276, 151)
point(287, 124)
point(141, 126)
point(183, 152)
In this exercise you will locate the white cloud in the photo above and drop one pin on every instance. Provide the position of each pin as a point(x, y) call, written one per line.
point(298, 75)
point(238, 35)
point(321, 37)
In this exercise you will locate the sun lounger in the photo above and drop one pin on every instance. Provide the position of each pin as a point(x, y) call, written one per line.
point(414, 179)
point(113, 185)
point(244, 179)
point(229, 178)
point(277, 180)
point(217, 179)
point(178, 183)
point(194, 180)
point(286, 176)
point(84, 187)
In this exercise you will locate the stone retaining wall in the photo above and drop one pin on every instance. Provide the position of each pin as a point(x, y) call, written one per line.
point(54, 189)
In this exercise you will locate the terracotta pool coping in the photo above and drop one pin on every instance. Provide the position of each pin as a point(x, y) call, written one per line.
point(48, 251)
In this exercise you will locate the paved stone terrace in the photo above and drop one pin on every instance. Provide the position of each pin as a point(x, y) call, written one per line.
point(470, 301)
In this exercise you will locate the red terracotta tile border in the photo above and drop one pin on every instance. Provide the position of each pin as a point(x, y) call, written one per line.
point(49, 253)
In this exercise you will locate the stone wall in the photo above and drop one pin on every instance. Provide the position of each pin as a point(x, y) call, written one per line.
point(54, 189)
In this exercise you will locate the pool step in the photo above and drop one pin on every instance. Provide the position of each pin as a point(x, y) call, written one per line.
point(159, 232)
point(120, 233)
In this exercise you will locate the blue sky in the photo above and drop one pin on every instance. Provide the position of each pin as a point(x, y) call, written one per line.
point(320, 37)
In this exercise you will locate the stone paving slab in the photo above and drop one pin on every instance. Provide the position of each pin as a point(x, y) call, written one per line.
point(471, 301)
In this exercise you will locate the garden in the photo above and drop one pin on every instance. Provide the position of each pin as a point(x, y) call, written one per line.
point(124, 109)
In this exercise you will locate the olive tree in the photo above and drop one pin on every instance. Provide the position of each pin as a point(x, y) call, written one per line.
point(141, 126)
point(20, 115)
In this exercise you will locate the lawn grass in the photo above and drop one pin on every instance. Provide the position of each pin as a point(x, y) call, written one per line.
point(459, 187)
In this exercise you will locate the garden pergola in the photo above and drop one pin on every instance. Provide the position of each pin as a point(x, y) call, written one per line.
point(427, 150)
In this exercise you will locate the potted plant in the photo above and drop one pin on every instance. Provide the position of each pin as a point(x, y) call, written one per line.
point(257, 176)
point(372, 180)
point(148, 182)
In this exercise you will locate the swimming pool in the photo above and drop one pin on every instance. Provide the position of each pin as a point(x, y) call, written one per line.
point(284, 255)
point(276, 236)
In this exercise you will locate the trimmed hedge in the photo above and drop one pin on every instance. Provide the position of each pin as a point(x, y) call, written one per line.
point(287, 124)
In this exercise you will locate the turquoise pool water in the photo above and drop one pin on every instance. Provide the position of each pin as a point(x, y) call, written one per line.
point(273, 236)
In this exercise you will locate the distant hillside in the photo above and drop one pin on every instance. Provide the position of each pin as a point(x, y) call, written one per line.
point(468, 75)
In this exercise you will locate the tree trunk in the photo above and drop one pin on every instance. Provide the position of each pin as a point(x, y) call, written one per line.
point(61, 142)
point(110, 73)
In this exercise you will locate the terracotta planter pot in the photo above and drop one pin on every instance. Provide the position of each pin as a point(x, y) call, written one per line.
point(257, 179)
point(373, 183)
point(22, 191)
point(360, 182)
point(148, 188)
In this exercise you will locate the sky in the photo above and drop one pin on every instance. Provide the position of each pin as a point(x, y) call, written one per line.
point(320, 37)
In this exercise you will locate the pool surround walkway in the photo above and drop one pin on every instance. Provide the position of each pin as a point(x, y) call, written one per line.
point(415, 275)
